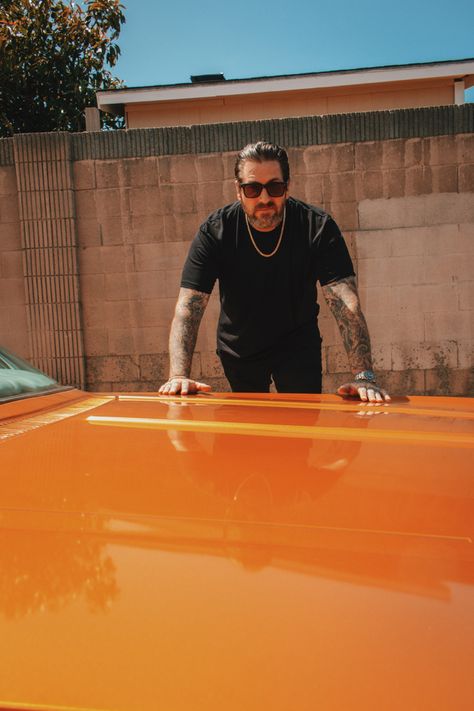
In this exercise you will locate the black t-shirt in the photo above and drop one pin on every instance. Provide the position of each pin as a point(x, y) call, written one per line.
point(268, 304)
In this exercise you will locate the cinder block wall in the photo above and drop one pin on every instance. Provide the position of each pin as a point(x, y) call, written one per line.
point(405, 204)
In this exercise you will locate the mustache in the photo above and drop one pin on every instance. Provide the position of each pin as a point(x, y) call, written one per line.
point(264, 204)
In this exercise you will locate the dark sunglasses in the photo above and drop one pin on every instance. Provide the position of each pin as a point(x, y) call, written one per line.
point(275, 188)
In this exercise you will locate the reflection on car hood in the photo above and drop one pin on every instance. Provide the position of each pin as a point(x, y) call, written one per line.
point(236, 552)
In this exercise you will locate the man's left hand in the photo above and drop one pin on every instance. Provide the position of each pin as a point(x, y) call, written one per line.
point(365, 391)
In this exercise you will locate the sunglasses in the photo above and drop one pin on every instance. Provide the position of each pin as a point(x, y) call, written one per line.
point(275, 188)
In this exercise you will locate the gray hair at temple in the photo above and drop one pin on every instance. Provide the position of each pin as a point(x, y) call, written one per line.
point(260, 152)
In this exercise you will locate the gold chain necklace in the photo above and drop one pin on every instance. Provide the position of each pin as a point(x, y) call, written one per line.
point(262, 254)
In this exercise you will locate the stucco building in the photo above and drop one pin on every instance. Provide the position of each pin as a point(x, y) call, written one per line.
point(213, 99)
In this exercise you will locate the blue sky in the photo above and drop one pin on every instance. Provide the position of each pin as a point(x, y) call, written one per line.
point(166, 42)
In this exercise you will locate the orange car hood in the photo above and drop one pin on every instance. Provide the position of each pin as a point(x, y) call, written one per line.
point(236, 552)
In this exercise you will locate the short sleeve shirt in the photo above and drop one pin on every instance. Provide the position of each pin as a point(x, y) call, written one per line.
point(268, 304)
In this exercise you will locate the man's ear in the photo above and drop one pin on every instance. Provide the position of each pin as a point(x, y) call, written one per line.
point(237, 189)
point(288, 189)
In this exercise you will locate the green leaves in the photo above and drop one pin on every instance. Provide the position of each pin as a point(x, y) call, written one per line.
point(54, 56)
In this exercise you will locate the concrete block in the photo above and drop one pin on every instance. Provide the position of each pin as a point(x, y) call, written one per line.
point(151, 285)
point(465, 354)
point(407, 242)
point(164, 166)
point(466, 296)
point(448, 326)
point(441, 178)
point(150, 339)
point(154, 257)
point(181, 198)
point(209, 197)
point(8, 209)
point(405, 270)
point(466, 178)
point(121, 341)
point(228, 160)
point(441, 240)
point(113, 369)
point(154, 367)
point(88, 232)
point(394, 183)
point(413, 152)
point(145, 229)
point(108, 203)
point(182, 169)
point(116, 287)
point(112, 230)
point(342, 157)
point(152, 313)
point(314, 189)
point(172, 282)
point(440, 381)
point(148, 201)
point(424, 355)
point(369, 184)
point(210, 168)
point(138, 172)
point(11, 236)
point(8, 184)
point(118, 315)
point(393, 153)
point(339, 187)
point(93, 315)
point(345, 214)
point(84, 175)
point(11, 264)
point(374, 272)
point(298, 187)
point(415, 183)
point(107, 173)
point(114, 259)
point(440, 297)
point(317, 159)
point(96, 342)
point(85, 204)
point(369, 156)
point(382, 356)
point(180, 228)
point(462, 382)
point(394, 212)
point(17, 342)
point(374, 299)
point(440, 150)
point(404, 382)
point(336, 359)
point(92, 287)
point(12, 291)
point(228, 192)
point(451, 269)
point(332, 381)
point(297, 162)
point(464, 238)
point(465, 148)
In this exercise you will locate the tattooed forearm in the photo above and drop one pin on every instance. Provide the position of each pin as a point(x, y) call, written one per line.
point(184, 329)
point(343, 300)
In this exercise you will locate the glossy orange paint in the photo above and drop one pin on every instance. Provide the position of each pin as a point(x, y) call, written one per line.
point(236, 552)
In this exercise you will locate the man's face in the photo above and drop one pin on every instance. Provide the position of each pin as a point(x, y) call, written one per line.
point(264, 212)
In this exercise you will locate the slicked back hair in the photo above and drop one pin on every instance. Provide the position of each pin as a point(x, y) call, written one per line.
point(260, 152)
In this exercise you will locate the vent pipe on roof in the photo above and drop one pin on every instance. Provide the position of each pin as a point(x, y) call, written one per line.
point(205, 78)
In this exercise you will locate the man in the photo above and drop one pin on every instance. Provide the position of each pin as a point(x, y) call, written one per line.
point(268, 251)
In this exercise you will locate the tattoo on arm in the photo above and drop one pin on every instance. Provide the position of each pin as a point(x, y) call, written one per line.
point(184, 329)
point(343, 300)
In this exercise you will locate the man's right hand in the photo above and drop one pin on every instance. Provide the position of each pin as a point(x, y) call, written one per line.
point(179, 385)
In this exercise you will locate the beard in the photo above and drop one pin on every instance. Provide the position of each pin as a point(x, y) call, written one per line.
point(266, 221)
